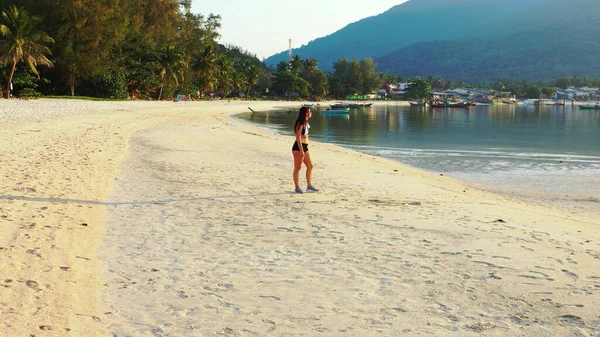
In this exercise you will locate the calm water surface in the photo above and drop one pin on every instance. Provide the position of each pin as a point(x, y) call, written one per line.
point(548, 149)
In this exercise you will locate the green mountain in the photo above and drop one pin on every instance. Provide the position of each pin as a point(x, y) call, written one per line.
point(470, 40)
point(560, 38)
point(533, 55)
point(411, 22)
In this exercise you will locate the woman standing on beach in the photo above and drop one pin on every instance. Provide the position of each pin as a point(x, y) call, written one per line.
point(300, 150)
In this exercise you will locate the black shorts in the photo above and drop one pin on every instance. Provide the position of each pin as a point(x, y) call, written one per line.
point(296, 148)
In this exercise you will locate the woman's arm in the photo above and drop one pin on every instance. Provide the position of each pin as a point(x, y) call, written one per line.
point(299, 137)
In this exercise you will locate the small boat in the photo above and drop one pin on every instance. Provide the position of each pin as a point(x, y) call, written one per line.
point(340, 106)
point(336, 111)
point(307, 105)
point(589, 107)
point(446, 104)
point(463, 104)
point(532, 102)
point(417, 103)
point(359, 105)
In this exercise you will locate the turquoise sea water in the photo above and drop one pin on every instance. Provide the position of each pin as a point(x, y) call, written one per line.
point(547, 149)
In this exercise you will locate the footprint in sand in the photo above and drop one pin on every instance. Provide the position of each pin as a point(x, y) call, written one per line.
point(271, 324)
point(572, 320)
point(33, 285)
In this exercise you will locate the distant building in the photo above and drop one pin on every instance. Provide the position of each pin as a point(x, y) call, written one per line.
point(464, 93)
point(579, 94)
point(396, 92)
point(403, 86)
point(443, 95)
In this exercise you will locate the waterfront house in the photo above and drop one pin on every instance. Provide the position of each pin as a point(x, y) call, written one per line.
point(443, 95)
point(463, 93)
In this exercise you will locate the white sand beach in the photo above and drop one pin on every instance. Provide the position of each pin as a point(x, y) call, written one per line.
point(174, 219)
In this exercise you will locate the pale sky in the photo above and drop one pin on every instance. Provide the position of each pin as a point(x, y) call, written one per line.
point(263, 27)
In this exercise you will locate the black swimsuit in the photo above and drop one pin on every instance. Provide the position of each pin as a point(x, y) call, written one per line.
point(296, 148)
point(304, 145)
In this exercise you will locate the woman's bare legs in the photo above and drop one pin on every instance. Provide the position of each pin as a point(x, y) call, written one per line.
point(298, 158)
point(309, 167)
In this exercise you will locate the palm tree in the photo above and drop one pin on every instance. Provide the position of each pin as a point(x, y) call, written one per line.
point(205, 64)
point(310, 65)
point(21, 42)
point(226, 76)
point(252, 77)
point(172, 62)
point(296, 64)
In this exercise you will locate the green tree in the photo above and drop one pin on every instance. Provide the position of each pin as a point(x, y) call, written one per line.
point(287, 83)
point(547, 91)
point(206, 68)
point(418, 89)
point(282, 66)
point(352, 77)
point(310, 65)
point(532, 91)
point(252, 76)
point(22, 42)
point(227, 78)
point(86, 32)
point(296, 65)
point(172, 63)
point(369, 80)
point(318, 83)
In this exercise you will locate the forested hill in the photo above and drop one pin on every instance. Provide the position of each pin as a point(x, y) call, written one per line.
point(539, 56)
point(561, 38)
point(472, 40)
point(412, 22)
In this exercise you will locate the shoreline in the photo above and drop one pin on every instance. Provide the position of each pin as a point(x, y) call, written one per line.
point(554, 190)
point(63, 172)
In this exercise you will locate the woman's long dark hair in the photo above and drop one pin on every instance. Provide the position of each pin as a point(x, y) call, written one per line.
point(301, 117)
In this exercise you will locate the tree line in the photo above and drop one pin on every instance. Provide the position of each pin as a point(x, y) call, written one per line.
point(119, 49)
point(158, 49)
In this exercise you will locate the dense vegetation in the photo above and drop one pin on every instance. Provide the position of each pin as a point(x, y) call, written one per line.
point(119, 48)
point(149, 49)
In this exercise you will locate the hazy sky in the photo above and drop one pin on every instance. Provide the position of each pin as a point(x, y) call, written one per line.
point(263, 27)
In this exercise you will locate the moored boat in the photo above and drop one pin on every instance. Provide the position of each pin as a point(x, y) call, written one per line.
point(417, 103)
point(340, 106)
point(532, 102)
point(359, 105)
point(336, 111)
point(446, 104)
point(589, 107)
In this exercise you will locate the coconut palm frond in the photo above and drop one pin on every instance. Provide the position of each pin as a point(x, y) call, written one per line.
point(22, 42)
